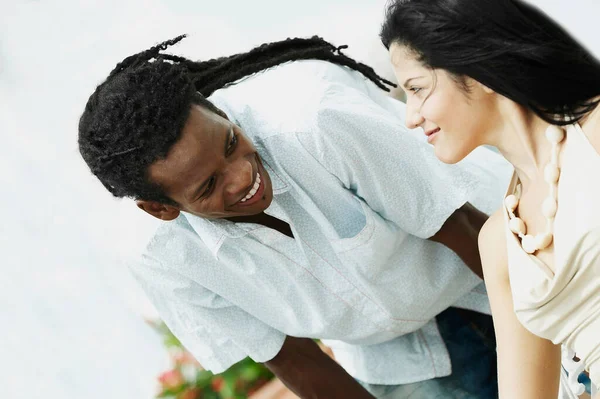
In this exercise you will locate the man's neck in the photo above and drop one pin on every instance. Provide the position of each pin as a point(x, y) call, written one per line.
point(265, 220)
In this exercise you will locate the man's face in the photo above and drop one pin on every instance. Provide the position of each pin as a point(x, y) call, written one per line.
point(213, 171)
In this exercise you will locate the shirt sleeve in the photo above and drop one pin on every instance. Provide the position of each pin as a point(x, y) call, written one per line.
point(217, 333)
point(395, 171)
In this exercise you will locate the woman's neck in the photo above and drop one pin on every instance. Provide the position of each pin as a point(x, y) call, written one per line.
point(520, 138)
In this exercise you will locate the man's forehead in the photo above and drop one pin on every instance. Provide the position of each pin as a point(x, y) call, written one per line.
point(200, 136)
point(201, 123)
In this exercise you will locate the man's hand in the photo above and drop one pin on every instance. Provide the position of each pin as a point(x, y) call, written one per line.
point(460, 232)
point(306, 370)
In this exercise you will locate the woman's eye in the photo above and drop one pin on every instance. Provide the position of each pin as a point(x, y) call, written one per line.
point(415, 89)
point(232, 143)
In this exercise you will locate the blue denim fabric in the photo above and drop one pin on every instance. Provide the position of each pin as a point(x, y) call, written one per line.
point(585, 380)
point(471, 343)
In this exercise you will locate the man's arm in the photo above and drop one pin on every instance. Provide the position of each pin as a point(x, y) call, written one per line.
point(306, 370)
point(459, 233)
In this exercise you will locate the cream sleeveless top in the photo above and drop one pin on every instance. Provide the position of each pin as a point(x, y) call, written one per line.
point(564, 306)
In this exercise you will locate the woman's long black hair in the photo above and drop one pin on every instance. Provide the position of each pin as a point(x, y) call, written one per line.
point(508, 45)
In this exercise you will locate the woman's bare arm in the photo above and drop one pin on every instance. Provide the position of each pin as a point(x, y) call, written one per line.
point(528, 366)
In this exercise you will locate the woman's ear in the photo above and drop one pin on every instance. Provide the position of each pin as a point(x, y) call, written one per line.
point(486, 89)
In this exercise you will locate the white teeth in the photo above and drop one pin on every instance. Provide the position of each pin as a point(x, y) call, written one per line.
point(253, 190)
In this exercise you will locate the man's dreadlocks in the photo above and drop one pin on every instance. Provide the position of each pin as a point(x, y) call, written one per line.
point(137, 114)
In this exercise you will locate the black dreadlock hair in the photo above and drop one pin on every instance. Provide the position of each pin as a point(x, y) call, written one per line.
point(137, 114)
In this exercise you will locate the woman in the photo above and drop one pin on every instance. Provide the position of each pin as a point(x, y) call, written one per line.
point(502, 73)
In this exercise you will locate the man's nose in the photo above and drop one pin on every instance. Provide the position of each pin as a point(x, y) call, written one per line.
point(239, 178)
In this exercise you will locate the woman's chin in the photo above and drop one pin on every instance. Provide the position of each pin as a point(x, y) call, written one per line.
point(447, 155)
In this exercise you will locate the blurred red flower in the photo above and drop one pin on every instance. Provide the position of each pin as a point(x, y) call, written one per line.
point(171, 379)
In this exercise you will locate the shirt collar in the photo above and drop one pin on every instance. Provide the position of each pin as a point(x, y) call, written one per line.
point(214, 231)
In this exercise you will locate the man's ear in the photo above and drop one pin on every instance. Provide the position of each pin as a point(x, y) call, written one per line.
point(158, 210)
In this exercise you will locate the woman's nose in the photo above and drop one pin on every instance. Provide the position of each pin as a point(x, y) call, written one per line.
point(413, 116)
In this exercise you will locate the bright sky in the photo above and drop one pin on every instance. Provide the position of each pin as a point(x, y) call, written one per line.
point(70, 314)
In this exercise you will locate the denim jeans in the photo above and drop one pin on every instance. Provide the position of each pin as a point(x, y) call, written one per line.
point(471, 343)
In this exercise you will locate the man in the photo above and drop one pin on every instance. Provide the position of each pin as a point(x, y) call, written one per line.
point(297, 206)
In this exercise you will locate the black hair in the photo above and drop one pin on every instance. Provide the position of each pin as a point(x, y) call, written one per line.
point(137, 114)
point(507, 45)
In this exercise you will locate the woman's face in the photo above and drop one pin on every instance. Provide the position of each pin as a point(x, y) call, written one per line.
point(454, 121)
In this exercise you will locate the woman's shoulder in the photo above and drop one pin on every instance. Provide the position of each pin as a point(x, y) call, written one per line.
point(492, 247)
point(492, 229)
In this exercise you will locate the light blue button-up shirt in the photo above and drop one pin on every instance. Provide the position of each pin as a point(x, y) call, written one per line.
point(361, 194)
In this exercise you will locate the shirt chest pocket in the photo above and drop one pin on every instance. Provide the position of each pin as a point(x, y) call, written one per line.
point(370, 249)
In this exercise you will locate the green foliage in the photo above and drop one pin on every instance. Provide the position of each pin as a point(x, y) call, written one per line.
point(188, 380)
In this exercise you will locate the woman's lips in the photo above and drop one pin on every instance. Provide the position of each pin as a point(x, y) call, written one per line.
point(431, 134)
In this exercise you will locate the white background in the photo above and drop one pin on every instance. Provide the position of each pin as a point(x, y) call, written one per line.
point(71, 321)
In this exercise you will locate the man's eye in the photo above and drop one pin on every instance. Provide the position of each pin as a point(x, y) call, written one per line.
point(209, 186)
point(232, 143)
